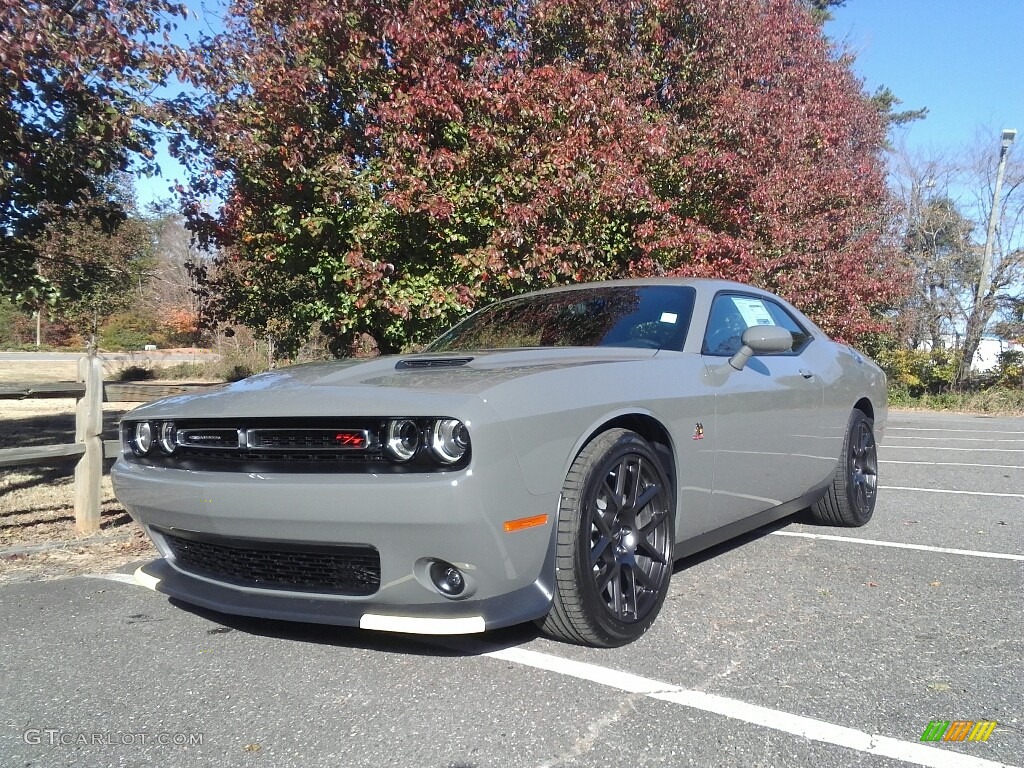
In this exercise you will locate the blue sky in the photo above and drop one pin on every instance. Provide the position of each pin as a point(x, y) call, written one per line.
point(959, 58)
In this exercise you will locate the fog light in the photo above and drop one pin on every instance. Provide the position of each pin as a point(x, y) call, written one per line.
point(447, 578)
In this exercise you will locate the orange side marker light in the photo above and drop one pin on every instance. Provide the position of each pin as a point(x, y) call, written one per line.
point(523, 523)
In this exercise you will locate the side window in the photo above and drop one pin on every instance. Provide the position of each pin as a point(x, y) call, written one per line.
point(732, 314)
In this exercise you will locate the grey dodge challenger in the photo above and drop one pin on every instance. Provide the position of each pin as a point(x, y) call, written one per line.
point(547, 459)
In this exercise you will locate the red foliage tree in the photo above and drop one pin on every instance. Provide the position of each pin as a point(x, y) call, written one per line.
point(389, 166)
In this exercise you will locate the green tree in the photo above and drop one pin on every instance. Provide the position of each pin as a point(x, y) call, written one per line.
point(886, 101)
point(819, 9)
point(95, 270)
point(75, 76)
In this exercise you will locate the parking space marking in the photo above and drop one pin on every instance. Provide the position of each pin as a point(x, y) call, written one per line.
point(958, 439)
point(939, 429)
point(951, 464)
point(900, 545)
point(754, 714)
point(949, 448)
point(961, 439)
point(947, 490)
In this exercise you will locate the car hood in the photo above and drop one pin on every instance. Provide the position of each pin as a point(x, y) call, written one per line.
point(403, 384)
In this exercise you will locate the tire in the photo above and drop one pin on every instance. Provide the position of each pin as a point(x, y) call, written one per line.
point(615, 536)
point(850, 498)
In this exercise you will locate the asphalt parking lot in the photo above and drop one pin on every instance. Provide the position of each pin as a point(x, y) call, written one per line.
point(798, 646)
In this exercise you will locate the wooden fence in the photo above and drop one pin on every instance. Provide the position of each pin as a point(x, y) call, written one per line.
point(91, 391)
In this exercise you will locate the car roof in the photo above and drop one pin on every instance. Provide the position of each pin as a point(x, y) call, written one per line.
point(703, 284)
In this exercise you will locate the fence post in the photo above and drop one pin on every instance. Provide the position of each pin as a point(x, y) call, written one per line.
point(89, 430)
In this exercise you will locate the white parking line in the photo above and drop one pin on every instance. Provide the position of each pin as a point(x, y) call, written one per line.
point(946, 490)
point(899, 545)
point(797, 725)
point(937, 429)
point(886, 446)
point(962, 439)
point(951, 464)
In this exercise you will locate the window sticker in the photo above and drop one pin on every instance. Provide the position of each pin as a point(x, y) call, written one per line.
point(669, 317)
point(754, 311)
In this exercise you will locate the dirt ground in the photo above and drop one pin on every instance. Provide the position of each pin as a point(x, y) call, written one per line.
point(37, 520)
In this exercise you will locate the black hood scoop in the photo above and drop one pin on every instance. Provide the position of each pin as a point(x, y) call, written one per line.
point(430, 363)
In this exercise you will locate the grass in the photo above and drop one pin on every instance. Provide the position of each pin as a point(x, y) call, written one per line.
point(996, 400)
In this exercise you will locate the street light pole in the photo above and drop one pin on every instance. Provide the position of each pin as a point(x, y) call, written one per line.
point(986, 260)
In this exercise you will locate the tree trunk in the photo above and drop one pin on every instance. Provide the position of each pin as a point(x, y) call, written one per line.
point(981, 313)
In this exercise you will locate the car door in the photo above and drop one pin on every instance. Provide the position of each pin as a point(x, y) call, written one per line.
point(767, 415)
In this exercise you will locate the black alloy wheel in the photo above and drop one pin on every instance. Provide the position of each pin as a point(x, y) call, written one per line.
point(615, 541)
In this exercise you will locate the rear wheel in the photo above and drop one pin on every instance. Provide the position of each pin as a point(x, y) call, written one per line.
point(614, 543)
point(850, 499)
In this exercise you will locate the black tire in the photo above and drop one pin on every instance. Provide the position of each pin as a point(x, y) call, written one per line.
point(850, 498)
point(614, 543)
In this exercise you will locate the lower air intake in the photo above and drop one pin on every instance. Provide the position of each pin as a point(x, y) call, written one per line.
point(340, 570)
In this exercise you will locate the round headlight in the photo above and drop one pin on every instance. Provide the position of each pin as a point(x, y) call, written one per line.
point(143, 439)
point(403, 439)
point(167, 434)
point(449, 440)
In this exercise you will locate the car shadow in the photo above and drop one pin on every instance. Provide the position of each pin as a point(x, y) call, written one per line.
point(711, 553)
point(448, 646)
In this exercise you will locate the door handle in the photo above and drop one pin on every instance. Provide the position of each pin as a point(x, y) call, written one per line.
point(806, 373)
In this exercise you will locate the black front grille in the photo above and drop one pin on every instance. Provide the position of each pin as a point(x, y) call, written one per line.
point(341, 570)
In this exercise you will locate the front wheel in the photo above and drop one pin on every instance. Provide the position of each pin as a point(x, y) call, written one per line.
point(850, 498)
point(614, 543)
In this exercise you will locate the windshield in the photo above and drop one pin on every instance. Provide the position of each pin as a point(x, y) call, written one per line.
point(653, 317)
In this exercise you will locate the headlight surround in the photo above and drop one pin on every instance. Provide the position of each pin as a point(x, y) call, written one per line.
point(167, 436)
point(402, 439)
point(142, 438)
point(449, 440)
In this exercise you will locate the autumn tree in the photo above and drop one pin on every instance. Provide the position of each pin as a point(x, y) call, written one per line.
point(387, 167)
point(75, 77)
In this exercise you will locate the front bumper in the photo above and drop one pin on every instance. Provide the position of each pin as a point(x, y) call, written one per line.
point(456, 517)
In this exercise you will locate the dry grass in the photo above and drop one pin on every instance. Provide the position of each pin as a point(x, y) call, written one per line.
point(37, 521)
point(16, 371)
